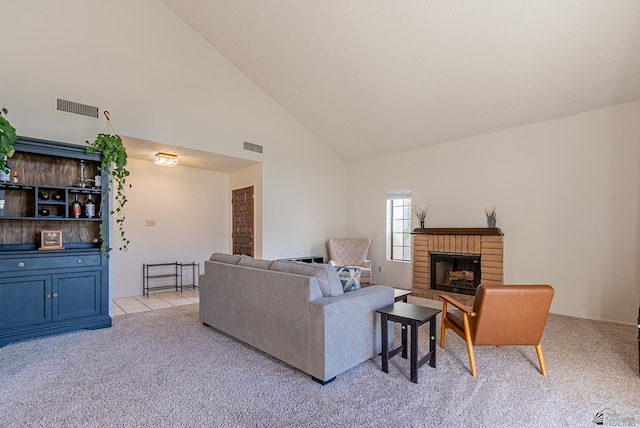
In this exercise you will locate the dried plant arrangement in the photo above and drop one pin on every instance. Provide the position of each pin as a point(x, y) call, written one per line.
point(421, 213)
point(491, 216)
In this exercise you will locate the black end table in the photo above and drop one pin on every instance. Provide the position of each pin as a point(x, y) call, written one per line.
point(409, 315)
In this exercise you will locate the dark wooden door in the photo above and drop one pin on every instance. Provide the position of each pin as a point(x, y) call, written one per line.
point(242, 232)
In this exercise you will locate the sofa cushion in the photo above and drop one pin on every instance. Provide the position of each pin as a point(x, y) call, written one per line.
point(230, 259)
point(255, 263)
point(349, 277)
point(326, 275)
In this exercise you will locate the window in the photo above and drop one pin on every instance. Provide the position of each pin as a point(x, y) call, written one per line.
point(399, 225)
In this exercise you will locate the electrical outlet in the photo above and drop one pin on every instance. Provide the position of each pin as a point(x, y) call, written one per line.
point(149, 222)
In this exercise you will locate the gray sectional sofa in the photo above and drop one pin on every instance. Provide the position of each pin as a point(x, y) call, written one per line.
point(297, 312)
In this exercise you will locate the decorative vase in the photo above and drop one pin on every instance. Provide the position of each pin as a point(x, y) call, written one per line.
point(491, 222)
point(421, 224)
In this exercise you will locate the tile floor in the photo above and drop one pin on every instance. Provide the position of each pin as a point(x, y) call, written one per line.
point(131, 305)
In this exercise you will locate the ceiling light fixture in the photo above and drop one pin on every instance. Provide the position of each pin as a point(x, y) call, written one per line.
point(166, 159)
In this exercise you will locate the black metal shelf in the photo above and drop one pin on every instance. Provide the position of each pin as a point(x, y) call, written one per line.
point(172, 271)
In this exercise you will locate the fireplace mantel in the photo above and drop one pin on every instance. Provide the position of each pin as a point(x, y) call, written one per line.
point(483, 231)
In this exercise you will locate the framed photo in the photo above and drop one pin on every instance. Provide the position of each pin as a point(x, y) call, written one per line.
point(51, 240)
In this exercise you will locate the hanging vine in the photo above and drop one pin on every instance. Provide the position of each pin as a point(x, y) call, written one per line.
point(114, 161)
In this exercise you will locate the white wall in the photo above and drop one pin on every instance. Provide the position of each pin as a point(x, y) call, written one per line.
point(162, 82)
point(566, 192)
point(192, 221)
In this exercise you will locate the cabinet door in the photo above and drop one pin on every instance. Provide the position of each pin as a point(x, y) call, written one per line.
point(25, 301)
point(76, 295)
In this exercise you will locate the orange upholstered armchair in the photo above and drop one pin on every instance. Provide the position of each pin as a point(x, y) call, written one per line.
point(501, 315)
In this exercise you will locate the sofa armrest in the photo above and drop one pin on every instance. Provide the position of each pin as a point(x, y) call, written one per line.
point(345, 330)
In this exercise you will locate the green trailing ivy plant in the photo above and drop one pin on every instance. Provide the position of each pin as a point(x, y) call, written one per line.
point(8, 140)
point(114, 161)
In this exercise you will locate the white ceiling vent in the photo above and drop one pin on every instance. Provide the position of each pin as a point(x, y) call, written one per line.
point(73, 107)
point(252, 147)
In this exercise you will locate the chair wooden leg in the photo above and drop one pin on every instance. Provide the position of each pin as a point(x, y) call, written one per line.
point(543, 367)
point(467, 338)
point(444, 320)
point(472, 359)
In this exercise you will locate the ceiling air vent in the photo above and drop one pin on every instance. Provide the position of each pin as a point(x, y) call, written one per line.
point(77, 108)
point(252, 147)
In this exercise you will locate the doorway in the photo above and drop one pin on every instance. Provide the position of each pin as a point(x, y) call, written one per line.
point(242, 221)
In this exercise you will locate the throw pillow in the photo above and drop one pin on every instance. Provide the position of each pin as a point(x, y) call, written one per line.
point(350, 277)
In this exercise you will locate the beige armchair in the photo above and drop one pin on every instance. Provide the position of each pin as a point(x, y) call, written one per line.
point(352, 253)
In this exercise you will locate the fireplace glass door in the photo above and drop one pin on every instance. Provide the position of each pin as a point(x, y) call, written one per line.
point(457, 273)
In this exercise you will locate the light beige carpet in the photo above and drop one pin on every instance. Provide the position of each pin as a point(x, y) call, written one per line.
point(164, 368)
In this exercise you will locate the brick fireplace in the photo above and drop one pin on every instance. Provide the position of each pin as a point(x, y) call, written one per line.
point(485, 243)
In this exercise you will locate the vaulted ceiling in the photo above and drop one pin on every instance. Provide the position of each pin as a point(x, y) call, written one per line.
point(373, 77)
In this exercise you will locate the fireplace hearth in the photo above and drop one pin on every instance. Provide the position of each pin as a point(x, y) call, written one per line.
point(457, 273)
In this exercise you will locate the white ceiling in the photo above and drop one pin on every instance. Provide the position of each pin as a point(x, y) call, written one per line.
point(373, 77)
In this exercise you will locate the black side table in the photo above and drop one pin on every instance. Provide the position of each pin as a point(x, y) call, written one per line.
point(307, 259)
point(409, 315)
point(401, 294)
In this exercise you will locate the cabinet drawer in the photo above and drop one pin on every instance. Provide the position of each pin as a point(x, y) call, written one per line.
point(31, 263)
